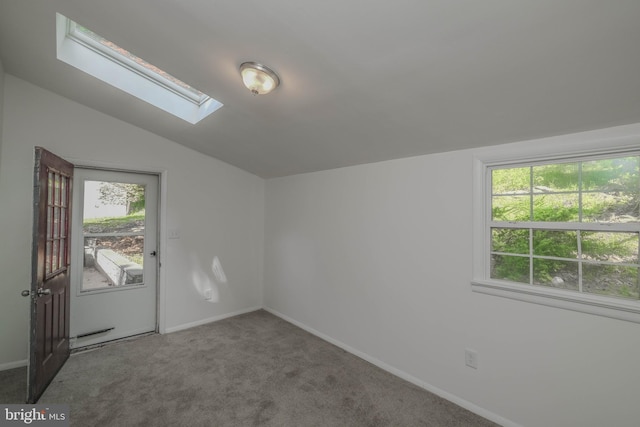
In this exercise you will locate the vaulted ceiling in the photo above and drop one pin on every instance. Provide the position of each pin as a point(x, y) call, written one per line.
point(362, 80)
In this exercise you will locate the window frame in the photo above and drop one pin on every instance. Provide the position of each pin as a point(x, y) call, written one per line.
point(571, 148)
point(88, 55)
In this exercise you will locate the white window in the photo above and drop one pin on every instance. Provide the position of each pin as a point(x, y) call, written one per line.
point(104, 60)
point(561, 230)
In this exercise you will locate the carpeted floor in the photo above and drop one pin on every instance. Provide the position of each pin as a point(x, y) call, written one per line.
point(249, 370)
point(13, 385)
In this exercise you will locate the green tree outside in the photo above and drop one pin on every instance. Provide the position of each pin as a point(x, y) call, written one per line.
point(595, 191)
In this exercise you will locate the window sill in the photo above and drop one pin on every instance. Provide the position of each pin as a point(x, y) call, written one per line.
point(585, 303)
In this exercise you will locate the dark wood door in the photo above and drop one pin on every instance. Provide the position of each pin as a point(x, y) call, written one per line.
point(49, 345)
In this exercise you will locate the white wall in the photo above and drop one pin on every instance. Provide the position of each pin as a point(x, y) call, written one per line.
point(1, 105)
point(378, 258)
point(217, 209)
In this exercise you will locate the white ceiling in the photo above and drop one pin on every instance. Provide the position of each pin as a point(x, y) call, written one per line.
point(362, 80)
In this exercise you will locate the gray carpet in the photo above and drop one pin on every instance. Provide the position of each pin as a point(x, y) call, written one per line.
point(13, 385)
point(249, 370)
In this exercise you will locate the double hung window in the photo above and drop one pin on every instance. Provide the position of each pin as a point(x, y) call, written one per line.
point(562, 232)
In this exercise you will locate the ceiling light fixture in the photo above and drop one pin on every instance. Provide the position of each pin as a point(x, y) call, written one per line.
point(258, 78)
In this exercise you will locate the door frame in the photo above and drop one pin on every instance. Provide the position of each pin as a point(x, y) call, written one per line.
point(76, 271)
point(162, 174)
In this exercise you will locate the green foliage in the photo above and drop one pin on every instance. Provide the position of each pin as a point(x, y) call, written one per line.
point(114, 222)
point(626, 292)
point(610, 174)
point(118, 193)
point(611, 280)
point(551, 243)
point(137, 258)
point(603, 190)
point(513, 268)
point(603, 246)
point(511, 208)
point(554, 209)
point(130, 247)
point(508, 181)
point(560, 244)
point(610, 189)
point(510, 240)
point(556, 176)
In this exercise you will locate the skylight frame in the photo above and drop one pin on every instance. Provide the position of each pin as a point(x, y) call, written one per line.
point(94, 40)
point(97, 56)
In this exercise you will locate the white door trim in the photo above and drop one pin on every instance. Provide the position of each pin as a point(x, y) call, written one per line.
point(163, 174)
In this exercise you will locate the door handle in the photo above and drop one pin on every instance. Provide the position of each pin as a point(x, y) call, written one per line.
point(42, 291)
point(153, 253)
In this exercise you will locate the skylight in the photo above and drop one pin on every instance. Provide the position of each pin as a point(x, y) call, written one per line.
point(97, 56)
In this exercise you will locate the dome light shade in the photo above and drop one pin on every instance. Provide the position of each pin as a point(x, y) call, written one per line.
point(258, 78)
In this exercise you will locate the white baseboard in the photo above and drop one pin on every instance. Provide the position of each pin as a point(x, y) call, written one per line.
point(208, 320)
point(12, 365)
point(397, 372)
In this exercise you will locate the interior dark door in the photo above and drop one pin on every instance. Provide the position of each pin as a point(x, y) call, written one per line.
point(49, 345)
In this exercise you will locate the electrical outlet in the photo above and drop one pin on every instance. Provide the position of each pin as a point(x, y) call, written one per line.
point(207, 294)
point(471, 358)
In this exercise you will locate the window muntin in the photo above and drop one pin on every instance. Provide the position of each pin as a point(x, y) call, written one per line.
point(567, 225)
point(56, 247)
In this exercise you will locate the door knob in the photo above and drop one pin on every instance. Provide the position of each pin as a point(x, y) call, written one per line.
point(25, 293)
point(153, 253)
point(42, 291)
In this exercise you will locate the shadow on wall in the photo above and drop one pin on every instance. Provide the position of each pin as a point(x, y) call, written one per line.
point(207, 284)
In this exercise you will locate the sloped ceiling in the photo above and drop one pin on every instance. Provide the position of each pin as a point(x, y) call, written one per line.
point(362, 80)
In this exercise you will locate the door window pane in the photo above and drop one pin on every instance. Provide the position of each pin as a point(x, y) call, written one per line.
point(64, 232)
point(113, 228)
point(54, 256)
point(49, 223)
point(50, 180)
point(57, 227)
point(56, 222)
point(63, 192)
point(63, 252)
point(56, 189)
point(47, 258)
